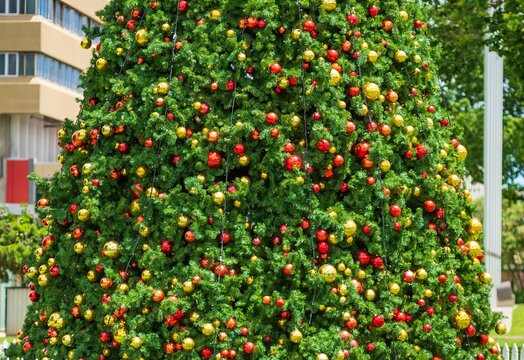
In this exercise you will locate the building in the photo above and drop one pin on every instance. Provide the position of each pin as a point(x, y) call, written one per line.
point(40, 64)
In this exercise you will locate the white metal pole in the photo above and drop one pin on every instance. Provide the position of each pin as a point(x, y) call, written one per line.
point(493, 134)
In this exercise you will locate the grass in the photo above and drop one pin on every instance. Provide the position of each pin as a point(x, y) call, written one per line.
point(516, 334)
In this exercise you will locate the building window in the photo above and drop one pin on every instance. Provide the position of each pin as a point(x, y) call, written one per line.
point(8, 64)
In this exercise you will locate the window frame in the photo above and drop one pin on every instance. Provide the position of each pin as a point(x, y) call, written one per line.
point(7, 54)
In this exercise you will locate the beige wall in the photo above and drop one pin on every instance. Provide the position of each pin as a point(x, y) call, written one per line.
point(87, 7)
point(32, 95)
point(36, 34)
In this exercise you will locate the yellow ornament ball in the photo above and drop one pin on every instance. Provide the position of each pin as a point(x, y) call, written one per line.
point(501, 328)
point(334, 77)
point(83, 215)
point(474, 248)
point(486, 278)
point(101, 64)
point(474, 226)
point(328, 273)
point(295, 336)
point(329, 5)
point(402, 335)
point(322, 357)
point(208, 329)
point(141, 37)
point(462, 152)
point(219, 197)
point(188, 344)
point(67, 340)
point(120, 334)
point(136, 342)
point(372, 91)
point(394, 289)
point(162, 88)
point(215, 15)
point(112, 249)
point(401, 56)
point(461, 319)
point(309, 55)
point(385, 165)
point(85, 43)
point(372, 56)
point(350, 228)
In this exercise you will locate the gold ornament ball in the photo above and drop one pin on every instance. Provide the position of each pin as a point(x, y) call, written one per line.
point(183, 221)
point(322, 357)
point(107, 130)
point(219, 197)
point(401, 56)
point(350, 228)
point(109, 320)
point(474, 248)
point(462, 152)
point(372, 56)
point(329, 5)
point(85, 43)
point(215, 15)
point(385, 165)
point(370, 295)
point(83, 215)
point(474, 226)
point(208, 329)
point(188, 344)
point(152, 192)
point(501, 328)
point(136, 342)
point(461, 319)
point(141, 171)
point(422, 274)
point(79, 299)
point(334, 77)
point(372, 91)
point(402, 335)
point(188, 287)
point(112, 249)
point(163, 88)
point(394, 289)
point(101, 64)
point(120, 334)
point(144, 231)
point(243, 160)
point(141, 37)
point(309, 55)
point(67, 340)
point(328, 273)
point(295, 34)
point(166, 27)
point(295, 336)
point(486, 278)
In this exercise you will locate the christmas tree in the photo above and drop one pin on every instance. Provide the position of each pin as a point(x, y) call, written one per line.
point(259, 179)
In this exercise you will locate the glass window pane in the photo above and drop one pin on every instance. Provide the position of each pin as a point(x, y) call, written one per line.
point(63, 74)
point(76, 22)
point(57, 13)
point(21, 4)
point(2, 64)
point(56, 71)
point(3, 10)
point(48, 70)
point(30, 64)
point(11, 64)
point(30, 7)
point(13, 6)
point(21, 63)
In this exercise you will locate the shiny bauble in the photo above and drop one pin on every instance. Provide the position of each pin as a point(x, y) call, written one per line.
point(79, 248)
point(162, 88)
point(474, 226)
point(371, 91)
point(183, 221)
point(350, 228)
point(188, 287)
point(208, 329)
point(501, 328)
point(486, 278)
point(461, 319)
point(421, 274)
point(141, 37)
point(295, 336)
point(401, 56)
point(85, 43)
point(335, 77)
point(219, 197)
point(329, 5)
point(402, 335)
point(474, 248)
point(188, 344)
point(370, 295)
point(385, 165)
point(215, 15)
point(136, 342)
point(101, 64)
point(328, 273)
point(462, 152)
point(83, 215)
point(309, 55)
point(112, 249)
point(67, 340)
point(120, 334)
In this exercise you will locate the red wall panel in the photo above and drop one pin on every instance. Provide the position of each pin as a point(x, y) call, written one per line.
point(17, 183)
